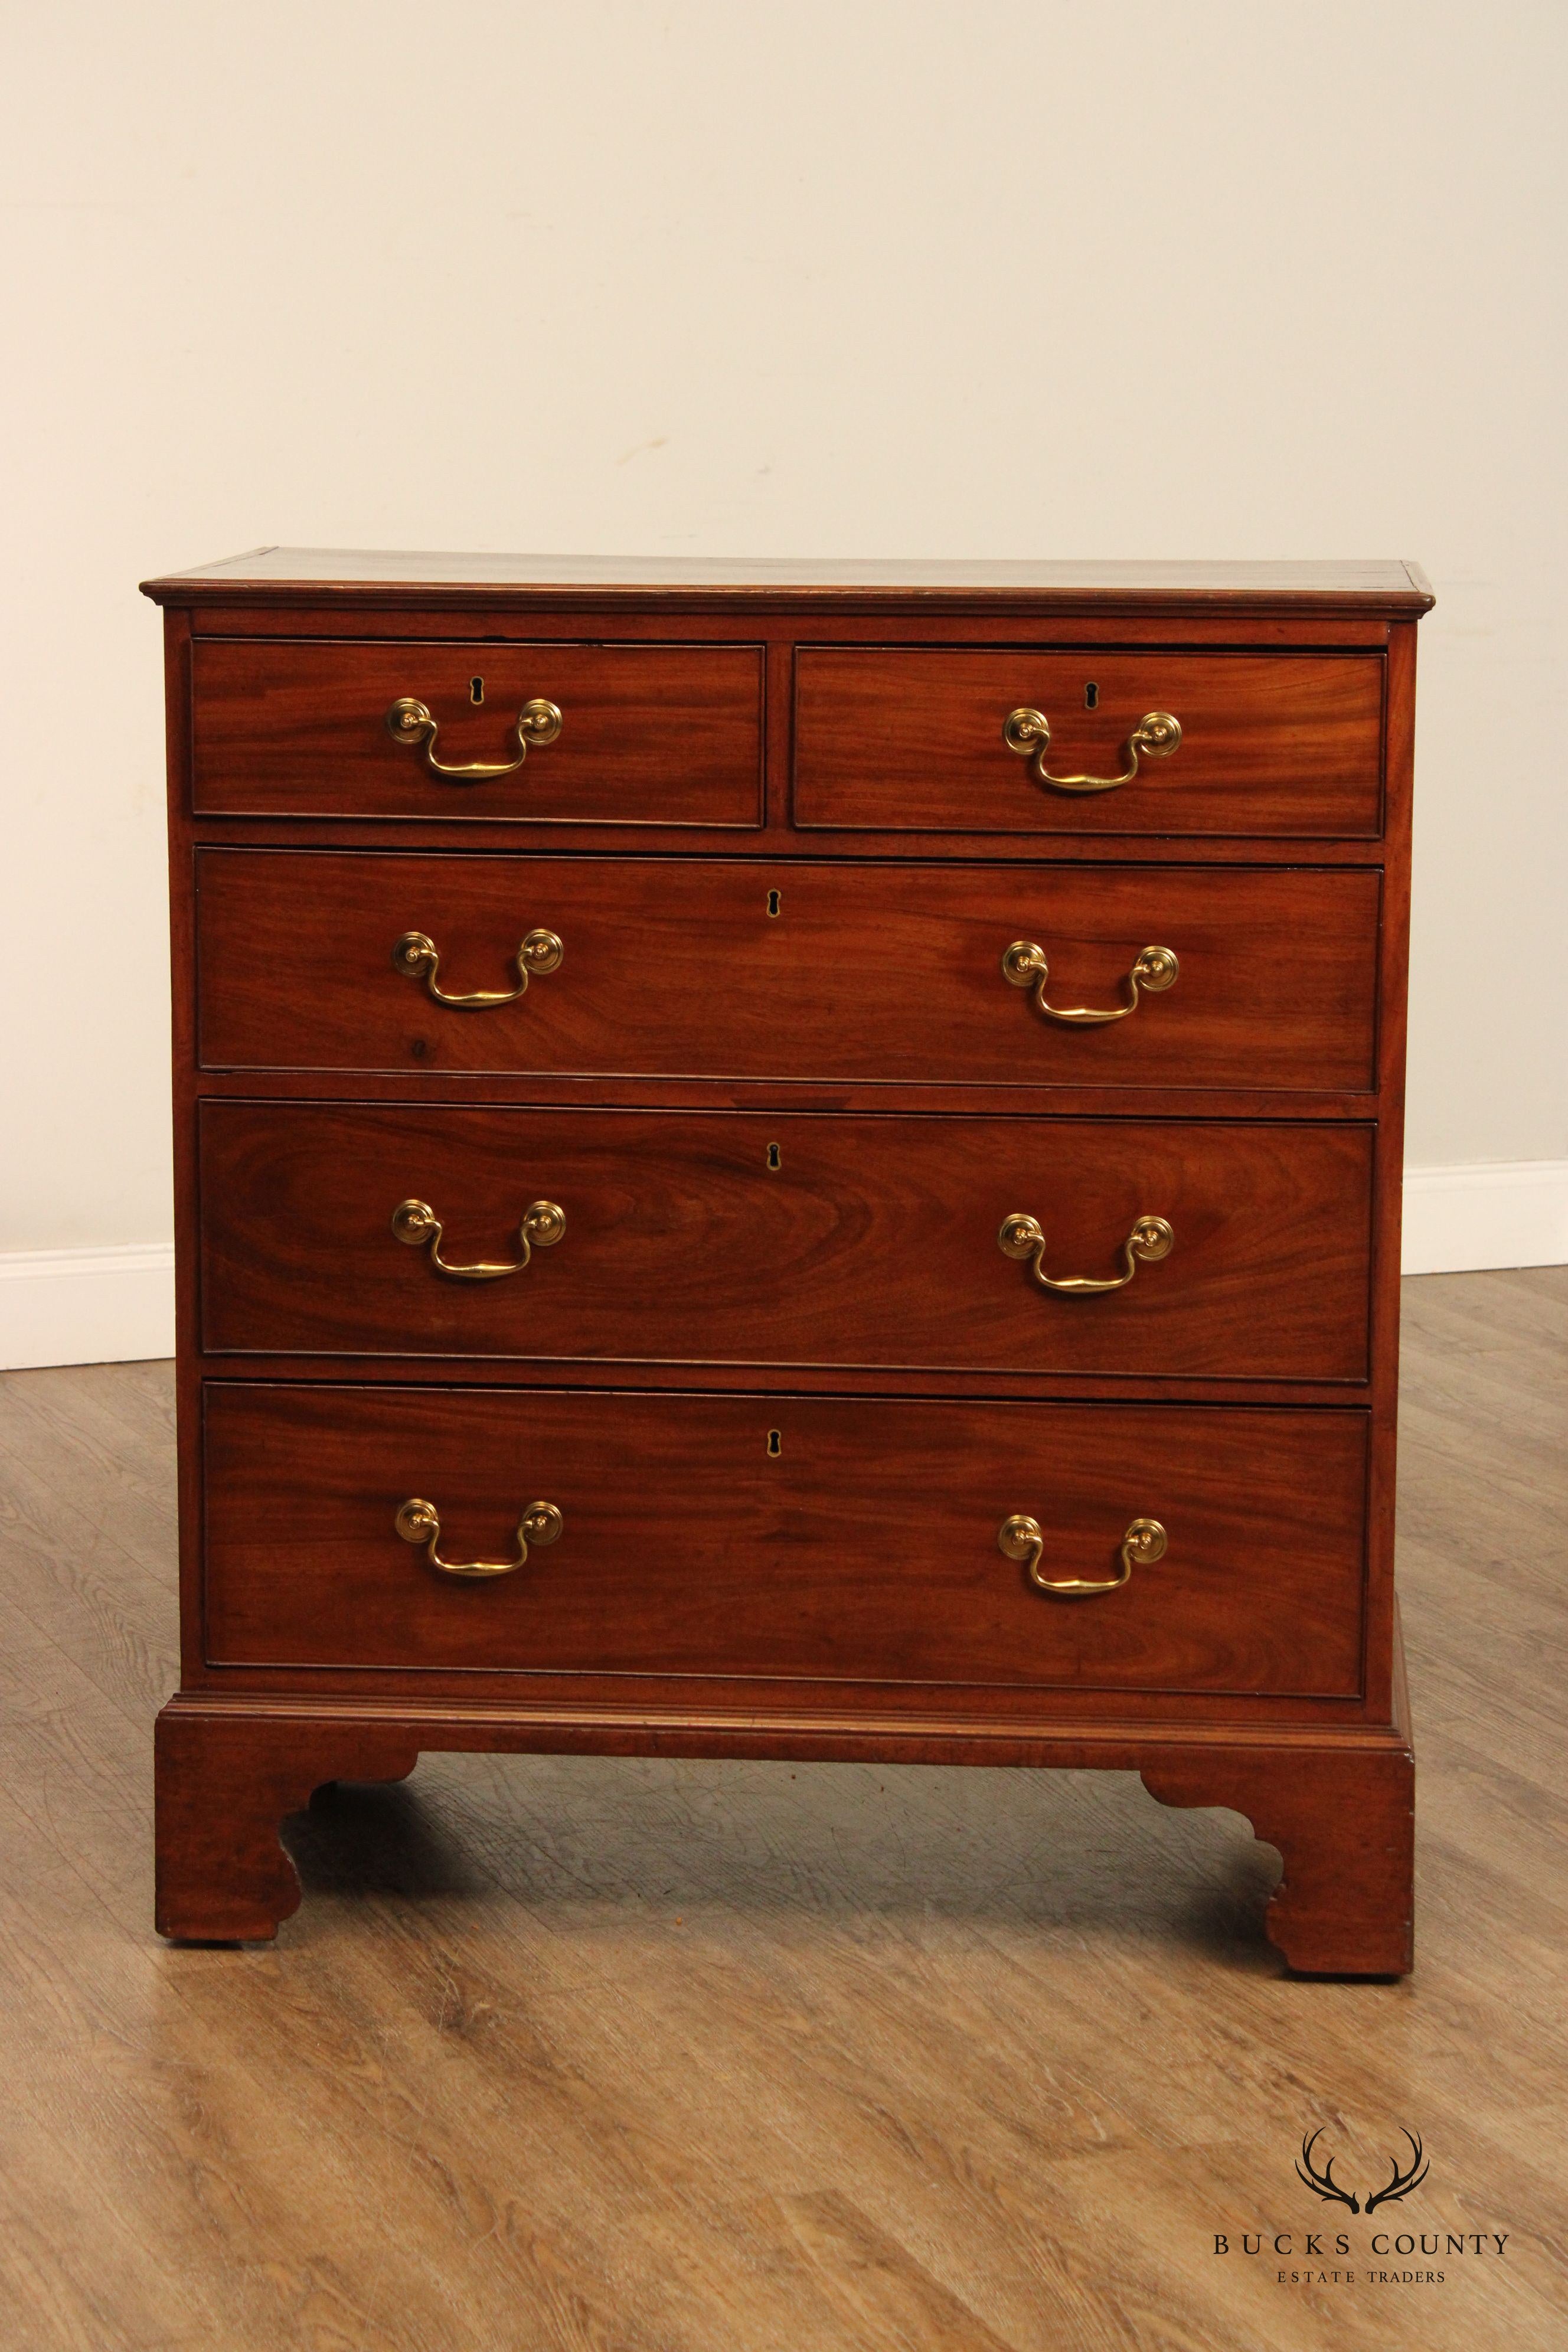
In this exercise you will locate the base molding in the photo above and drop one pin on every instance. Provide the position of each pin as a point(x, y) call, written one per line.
point(1337, 1804)
point(1492, 1213)
point(87, 1306)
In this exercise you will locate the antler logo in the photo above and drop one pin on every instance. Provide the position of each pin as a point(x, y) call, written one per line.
point(1401, 2183)
point(1323, 2182)
point(1324, 2185)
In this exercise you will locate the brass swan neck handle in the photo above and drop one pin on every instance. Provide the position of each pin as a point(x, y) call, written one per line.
point(1023, 1236)
point(419, 1522)
point(1025, 965)
point(417, 957)
point(1027, 731)
point(412, 722)
point(1021, 1537)
point(542, 1226)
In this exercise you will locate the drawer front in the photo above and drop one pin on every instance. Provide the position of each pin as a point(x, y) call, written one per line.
point(1274, 744)
point(758, 969)
point(770, 1238)
point(865, 1549)
point(648, 734)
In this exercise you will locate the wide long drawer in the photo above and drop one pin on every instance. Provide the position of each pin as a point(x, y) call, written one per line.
point(546, 733)
point(1143, 739)
point(1174, 1249)
point(842, 1538)
point(950, 974)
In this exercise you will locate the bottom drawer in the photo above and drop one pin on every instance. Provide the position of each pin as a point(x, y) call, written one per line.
point(827, 1538)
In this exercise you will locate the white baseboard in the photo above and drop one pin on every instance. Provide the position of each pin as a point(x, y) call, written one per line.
point(116, 1306)
point(87, 1306)
point(1488, 1213)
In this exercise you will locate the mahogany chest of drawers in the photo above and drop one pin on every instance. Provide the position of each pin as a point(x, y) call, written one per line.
point(796, 1165)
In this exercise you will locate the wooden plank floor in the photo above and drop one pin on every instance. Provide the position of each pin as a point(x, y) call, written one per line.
point(723, 2058)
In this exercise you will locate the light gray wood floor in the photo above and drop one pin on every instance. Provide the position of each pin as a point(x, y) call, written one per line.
point(723, 2058)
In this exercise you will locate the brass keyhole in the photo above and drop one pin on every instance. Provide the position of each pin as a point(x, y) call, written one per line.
point(1090, 696)
point(773, 902)
point(776, 1444)
point(475, 689)
point(774, 1159)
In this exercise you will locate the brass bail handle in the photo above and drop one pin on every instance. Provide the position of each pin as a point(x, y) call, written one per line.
point(542, 1226)
point(1024, 964)
point(1023, 1236)
point(1021, 1537)
point(419, 1522)
point(417, 957)
point(412, 722)
point(1027, 731)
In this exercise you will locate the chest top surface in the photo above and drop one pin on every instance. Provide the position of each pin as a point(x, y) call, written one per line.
point(269, 575)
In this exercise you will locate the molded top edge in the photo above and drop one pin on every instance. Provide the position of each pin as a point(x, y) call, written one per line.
point(270, 574)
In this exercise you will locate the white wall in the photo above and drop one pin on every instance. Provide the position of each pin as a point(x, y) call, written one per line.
point(903, 276)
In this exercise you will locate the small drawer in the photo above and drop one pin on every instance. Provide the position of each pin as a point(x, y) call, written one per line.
point(1232, 977)
point(1275, 745)
point(1154, 1249)
point(780, 1539)
point(541, 734)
